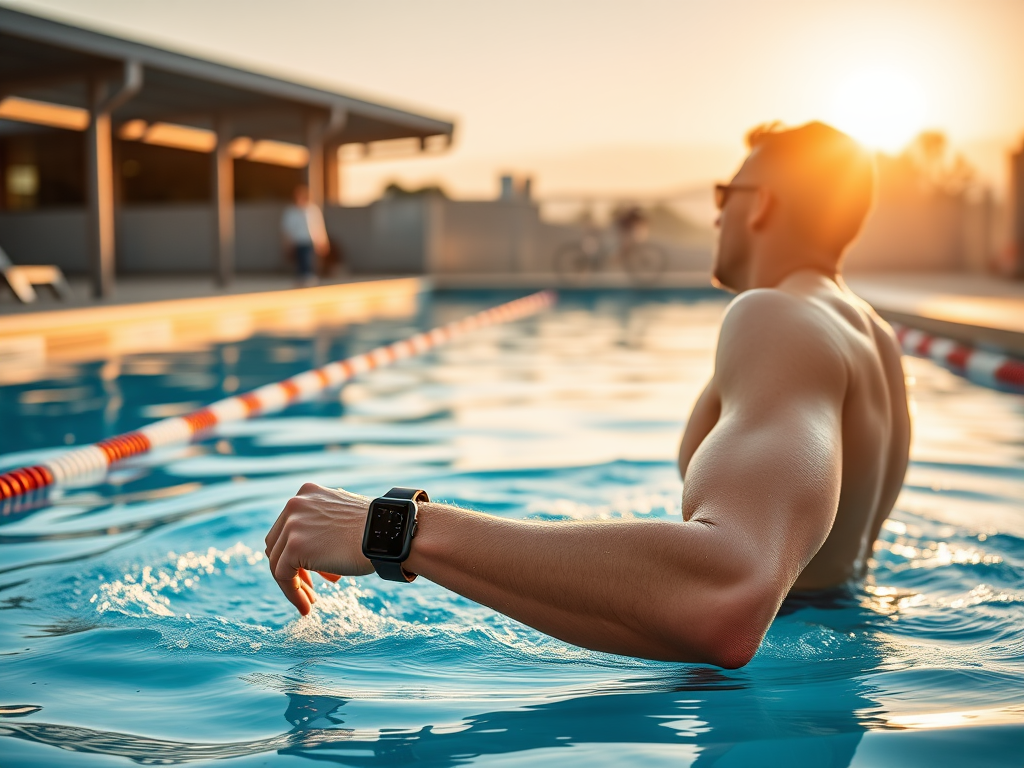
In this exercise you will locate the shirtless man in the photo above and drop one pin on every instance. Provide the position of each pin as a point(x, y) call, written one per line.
point(792, 458)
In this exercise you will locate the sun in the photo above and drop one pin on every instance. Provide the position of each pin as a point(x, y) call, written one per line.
point(881, 108)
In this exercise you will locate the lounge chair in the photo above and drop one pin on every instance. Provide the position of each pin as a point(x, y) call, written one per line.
point(21, 279)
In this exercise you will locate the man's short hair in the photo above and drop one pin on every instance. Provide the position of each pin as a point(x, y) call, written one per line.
point(825, 177)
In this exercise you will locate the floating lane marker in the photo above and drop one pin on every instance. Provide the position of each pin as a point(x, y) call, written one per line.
point(93, 460)
point(990, 369)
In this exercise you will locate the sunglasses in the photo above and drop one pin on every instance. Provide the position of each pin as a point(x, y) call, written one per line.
point(722, 192)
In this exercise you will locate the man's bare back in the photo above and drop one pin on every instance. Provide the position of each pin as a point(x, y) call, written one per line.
point(875, 423)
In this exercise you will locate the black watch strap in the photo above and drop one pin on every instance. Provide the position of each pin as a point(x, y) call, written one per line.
point(388, 569)
point(415, 494)
point(392, 571)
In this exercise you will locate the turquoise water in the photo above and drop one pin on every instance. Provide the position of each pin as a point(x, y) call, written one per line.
point(138, 620)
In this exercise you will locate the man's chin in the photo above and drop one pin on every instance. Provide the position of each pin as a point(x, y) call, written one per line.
point(718, 280)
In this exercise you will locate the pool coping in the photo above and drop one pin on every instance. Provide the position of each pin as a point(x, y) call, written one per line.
point(91, 332)
point(978, 310)
point(982, 336)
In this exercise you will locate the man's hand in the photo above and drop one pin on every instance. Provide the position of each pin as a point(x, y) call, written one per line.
point(320, 529)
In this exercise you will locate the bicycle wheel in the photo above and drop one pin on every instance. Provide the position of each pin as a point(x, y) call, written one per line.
point(645, 262)
point(573, 262)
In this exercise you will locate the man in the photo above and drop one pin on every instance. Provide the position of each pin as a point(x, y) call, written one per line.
point(304, 233)
point(792, 458)
point(631, 223)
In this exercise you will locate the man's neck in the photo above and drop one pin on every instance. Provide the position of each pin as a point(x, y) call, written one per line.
point(772, 266)
point(810, 278)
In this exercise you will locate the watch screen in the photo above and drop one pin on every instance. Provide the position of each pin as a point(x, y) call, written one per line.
point(387, 529)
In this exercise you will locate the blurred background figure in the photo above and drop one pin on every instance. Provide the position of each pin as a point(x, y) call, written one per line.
point(632, 223)
point(305, 235)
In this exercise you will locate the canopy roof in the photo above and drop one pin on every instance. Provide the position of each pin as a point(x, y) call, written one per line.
point(49, 61)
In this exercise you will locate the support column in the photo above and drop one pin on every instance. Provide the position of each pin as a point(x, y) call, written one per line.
point(224, 203)
point(315, 125)
point(100, 174)
point(322, 133)
point(332, 173)
point(100, 193)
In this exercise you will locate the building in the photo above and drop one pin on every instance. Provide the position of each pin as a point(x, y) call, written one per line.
point(120, 157)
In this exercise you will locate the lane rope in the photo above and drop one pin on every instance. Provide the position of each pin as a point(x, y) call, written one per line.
point(93, 460)
point(991, 369)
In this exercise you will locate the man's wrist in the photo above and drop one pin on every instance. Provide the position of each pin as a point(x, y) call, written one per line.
point(425, 542)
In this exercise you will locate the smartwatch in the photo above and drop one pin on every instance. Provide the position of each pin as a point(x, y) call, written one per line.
point(390, 526)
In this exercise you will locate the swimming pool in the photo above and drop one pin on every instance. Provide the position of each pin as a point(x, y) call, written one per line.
point(139, 621)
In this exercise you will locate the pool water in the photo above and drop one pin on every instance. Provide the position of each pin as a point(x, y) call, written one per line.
point(140, 623)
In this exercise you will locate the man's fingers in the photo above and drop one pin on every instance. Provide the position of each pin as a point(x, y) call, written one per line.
point(302, 600)
point(331, 577)
point(275, 531)
point(310, 592)
point(296, 596)
point(294, 580)
point(274, 555)
point(288, 580)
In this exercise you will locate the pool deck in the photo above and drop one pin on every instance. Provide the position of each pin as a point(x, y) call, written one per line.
point(152, 314)
point(980, 310)
point(178, 313)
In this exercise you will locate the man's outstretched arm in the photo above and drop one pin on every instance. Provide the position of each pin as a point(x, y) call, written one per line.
point(761, 493)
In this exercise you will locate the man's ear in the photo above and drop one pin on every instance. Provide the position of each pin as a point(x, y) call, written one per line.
point(761, 211)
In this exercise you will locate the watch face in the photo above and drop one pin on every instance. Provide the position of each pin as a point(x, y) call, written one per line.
point(386, 528)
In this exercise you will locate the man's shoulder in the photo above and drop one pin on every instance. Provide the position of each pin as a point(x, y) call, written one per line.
point(769, 329)
point(770, 312)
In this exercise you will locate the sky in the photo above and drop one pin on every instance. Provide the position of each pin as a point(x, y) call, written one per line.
point(618, 98)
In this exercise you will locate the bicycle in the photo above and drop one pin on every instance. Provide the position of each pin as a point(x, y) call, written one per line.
point(644, 262)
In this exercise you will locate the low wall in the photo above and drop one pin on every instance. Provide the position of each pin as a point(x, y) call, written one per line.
point(402, 235)
point(349, 229)
point(164, 239)
point(54, 236)
point(484, 236)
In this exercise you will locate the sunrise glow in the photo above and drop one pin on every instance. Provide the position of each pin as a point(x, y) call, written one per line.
point(883, 109)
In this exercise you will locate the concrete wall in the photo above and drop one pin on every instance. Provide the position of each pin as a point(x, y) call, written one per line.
point(401, 235)
point(485, 236)
point(165, 238)
point(53, 236)
point(172, 238)
point(350, 230)
point(509, 236)
point(179, 238)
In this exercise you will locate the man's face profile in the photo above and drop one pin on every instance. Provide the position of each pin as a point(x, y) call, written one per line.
point(733, 247)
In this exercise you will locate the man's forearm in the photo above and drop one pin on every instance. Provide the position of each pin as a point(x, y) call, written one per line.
point(701, 590)
point(640, 588)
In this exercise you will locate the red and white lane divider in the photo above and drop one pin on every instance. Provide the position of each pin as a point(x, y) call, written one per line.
point(988, 368)
point(93, 460)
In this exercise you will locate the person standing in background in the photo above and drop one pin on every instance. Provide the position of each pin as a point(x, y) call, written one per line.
point(304, 233)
